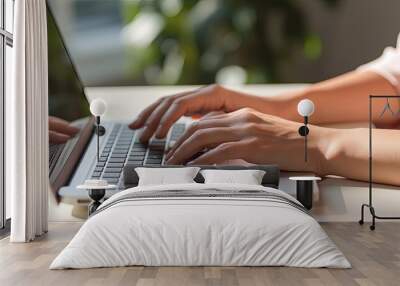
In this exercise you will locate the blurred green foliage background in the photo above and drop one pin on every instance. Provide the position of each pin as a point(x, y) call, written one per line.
point(203, 41)
point(155, 42)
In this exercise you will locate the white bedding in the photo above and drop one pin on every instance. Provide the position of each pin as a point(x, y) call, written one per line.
point(188, 231)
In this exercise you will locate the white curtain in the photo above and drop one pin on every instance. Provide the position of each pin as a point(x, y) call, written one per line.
point(27, 123)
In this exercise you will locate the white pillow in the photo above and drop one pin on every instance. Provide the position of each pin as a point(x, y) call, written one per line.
point(248, 177)
point(163, 176)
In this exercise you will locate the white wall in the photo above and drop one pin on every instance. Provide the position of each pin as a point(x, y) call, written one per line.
point(354, 32)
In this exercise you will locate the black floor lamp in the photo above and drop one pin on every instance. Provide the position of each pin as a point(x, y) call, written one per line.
point(387, 108)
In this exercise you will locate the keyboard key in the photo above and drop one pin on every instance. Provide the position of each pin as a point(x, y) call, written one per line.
point(136, 153)
point(122, 144)
point(116, 160)
point(96, 174)
point(157, 143)
point(139, 147)
point(121, 148)
point(156, 148)
point(98, 169)
point(111, 175)
point(100, 164)
point(118, 155)
point(153, 161)
point(120, 152)
point(113, 170)
point(136, 157)
point(155, 156)
point(115, 165)
point(135, 162)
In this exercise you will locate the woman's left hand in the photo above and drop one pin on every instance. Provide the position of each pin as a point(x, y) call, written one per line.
point(251, 136)
point(60, 130)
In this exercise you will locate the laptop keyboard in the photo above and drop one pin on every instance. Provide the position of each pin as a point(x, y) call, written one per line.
point(122, 147)
point(54, 152)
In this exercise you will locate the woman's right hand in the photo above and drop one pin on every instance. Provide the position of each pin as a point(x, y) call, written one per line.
point(162, 114)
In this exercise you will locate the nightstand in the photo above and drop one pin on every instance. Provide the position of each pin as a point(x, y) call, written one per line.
point(304, 189)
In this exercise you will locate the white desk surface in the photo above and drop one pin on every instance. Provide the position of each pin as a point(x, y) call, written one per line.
point(338, 200)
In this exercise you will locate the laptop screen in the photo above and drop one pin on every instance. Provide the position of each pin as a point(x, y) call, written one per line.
point(67, 99)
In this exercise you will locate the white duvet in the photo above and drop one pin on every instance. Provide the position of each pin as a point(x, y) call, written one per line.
point(188, 231)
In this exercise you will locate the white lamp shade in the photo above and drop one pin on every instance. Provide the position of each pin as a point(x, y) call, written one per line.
point(98, 107)
point(305, 107)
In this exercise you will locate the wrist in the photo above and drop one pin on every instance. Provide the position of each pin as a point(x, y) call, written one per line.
point(285, 105)
point(326, 145)
point(235, 100)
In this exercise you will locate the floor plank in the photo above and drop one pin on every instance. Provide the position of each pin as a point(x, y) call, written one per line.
point(375, 257)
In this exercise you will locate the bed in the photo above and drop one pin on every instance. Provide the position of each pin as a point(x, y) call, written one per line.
point(201, 224)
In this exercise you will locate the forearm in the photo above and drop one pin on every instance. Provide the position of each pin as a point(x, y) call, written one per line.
point(341, 99)
point(345, 152)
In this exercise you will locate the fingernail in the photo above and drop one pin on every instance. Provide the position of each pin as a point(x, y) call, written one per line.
point(143, 139)
point(133, 125)
point(159, 133)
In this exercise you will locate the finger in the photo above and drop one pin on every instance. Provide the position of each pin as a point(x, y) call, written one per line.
point(153, 120)
point(200, 140)
point(213, 114)
point(199, 101)
point(142, 117)
point(62, 126)
point(195, 126)
point(224, 152)
point(58, 138)
point(145, 114)
point(242, 115)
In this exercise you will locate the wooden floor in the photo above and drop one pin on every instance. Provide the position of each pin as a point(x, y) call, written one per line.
point(375, 257)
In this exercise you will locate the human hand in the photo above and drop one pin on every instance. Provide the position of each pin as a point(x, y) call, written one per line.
point(162, 114)
point(60, 131)
point(251, 136)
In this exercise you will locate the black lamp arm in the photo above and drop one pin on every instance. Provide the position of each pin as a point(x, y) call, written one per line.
point(303, 131)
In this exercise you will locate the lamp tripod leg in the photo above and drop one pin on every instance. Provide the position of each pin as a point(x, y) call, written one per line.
point(361, 221)
point(372, 210)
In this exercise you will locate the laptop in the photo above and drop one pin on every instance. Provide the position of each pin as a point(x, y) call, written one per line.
point(76, 160)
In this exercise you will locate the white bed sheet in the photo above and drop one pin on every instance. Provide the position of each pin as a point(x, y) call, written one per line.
point(200, 231)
